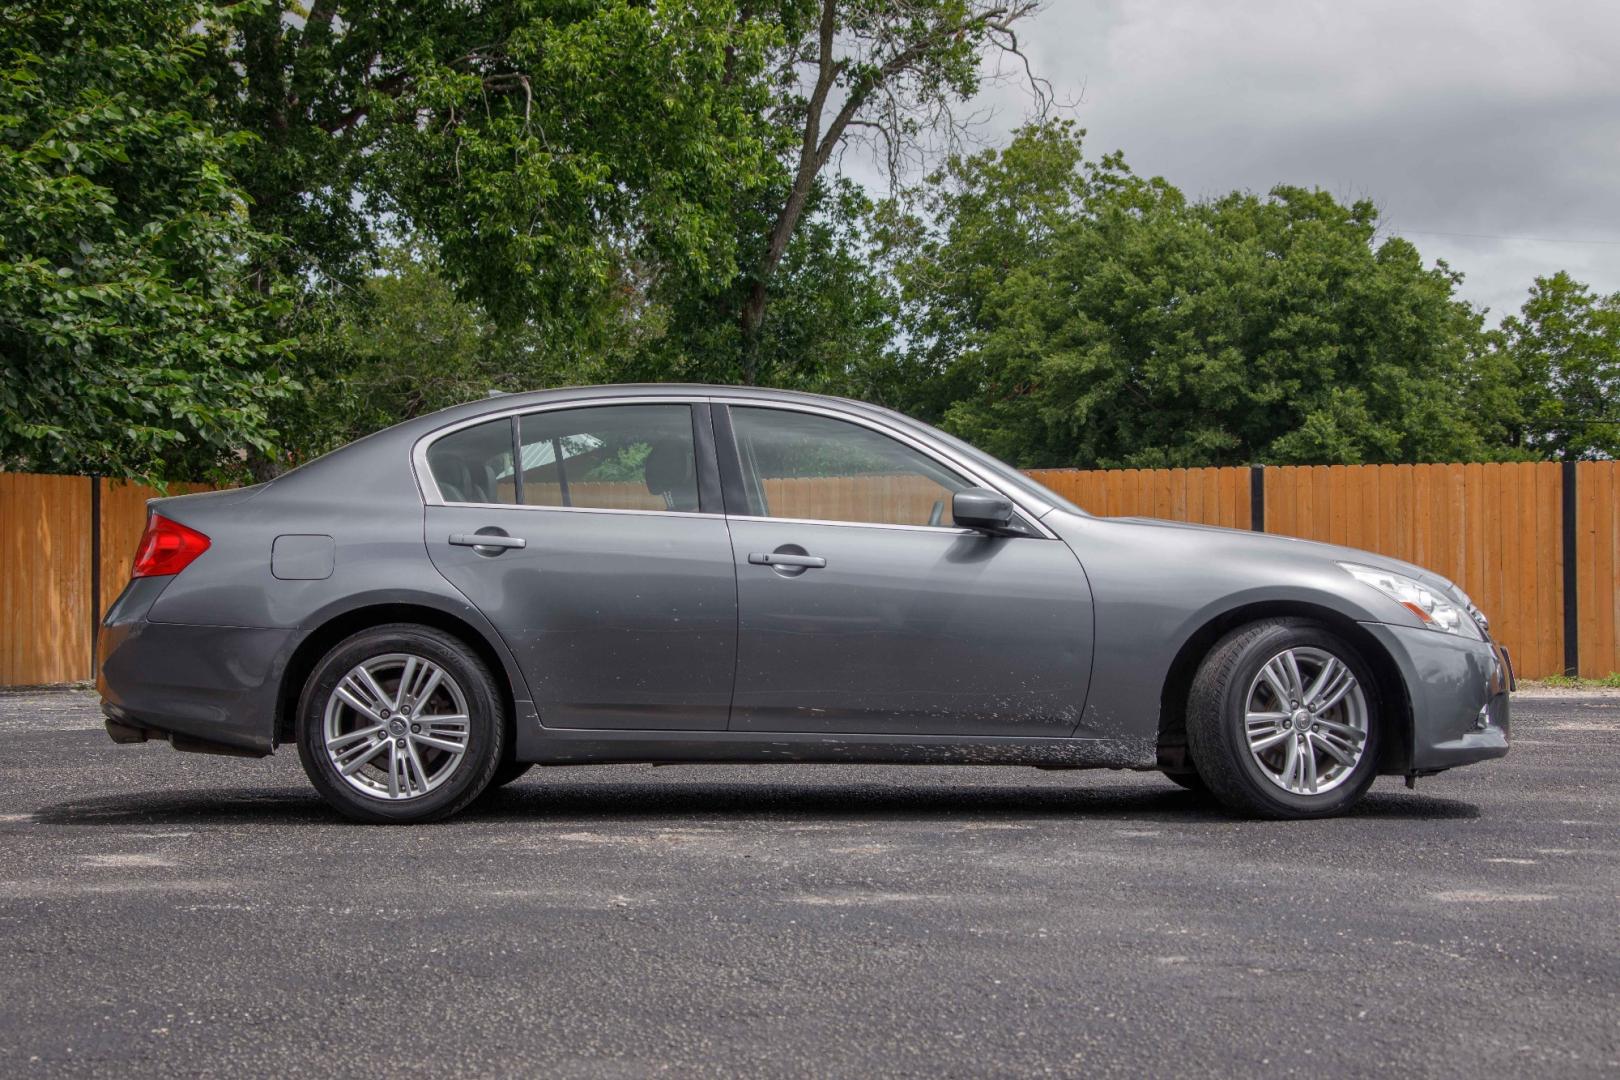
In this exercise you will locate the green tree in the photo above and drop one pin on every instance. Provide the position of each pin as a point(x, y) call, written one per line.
point(403, 344)
point(553, 154)
point(1071, 313)
point(886, 73)
point(1560, 362)
point(831, 316)
point(536, 145)
point(130, 341)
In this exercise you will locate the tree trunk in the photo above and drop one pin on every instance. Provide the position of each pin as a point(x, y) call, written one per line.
point(261, 466)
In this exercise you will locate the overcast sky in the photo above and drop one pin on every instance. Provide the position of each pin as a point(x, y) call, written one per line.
point(1492, 118)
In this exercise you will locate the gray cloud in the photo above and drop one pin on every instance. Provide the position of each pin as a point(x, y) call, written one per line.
point(1489, 118)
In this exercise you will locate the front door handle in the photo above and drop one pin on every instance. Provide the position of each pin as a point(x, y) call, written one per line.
point(778, 558)
point(487, 540)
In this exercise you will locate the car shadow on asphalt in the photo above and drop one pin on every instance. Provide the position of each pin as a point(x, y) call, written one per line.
point(535, 799)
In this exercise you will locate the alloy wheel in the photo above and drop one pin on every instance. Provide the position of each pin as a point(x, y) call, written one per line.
point(1305, 721)
point(396, 726)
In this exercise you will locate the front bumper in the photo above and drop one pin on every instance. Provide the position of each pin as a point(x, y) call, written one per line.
point(203, 687)
point(1458, 690)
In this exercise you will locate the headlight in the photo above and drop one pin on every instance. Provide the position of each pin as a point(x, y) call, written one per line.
point(1434, 610)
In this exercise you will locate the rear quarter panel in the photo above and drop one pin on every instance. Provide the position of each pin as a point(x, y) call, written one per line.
point(365, 498)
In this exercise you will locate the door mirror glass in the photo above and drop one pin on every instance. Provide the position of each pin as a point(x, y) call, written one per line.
point(981, 508)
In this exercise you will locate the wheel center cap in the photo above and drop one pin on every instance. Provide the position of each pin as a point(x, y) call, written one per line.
point(397, 726)
point(1302, 719)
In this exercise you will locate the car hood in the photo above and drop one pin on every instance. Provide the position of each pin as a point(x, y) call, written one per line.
point(1259, 542)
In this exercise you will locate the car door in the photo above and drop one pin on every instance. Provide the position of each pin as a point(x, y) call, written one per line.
point(601, 557)
point(863, 609)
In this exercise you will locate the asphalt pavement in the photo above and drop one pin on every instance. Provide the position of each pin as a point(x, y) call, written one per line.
point(166, 914)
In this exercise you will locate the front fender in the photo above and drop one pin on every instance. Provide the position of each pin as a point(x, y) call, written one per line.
point(1157, 586)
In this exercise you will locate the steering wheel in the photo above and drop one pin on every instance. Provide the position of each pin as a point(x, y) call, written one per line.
point(937, 515)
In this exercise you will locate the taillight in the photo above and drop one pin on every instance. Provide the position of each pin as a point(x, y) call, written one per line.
point(167, 547)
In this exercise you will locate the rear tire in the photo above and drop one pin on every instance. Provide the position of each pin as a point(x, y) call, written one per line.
point(401, 723)
point(1189, 780)
point(1283, 721)
point(509, 771)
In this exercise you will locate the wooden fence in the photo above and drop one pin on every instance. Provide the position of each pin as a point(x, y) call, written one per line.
point(1536, 544)
point(66, 545)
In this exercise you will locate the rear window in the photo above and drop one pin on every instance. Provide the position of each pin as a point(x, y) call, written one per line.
point(474, 465)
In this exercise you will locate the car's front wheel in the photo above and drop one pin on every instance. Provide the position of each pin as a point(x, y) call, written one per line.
point(400, 723)
point(1282, 720)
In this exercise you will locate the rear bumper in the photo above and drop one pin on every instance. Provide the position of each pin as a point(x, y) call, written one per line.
point(1459, 694)
point(213, 686)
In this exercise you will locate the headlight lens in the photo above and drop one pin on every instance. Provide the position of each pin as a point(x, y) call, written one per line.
point(1434, 610)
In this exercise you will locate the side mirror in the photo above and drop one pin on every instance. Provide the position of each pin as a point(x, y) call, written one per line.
point(983, 509)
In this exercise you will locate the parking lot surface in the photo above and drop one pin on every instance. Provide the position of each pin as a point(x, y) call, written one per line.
point(178, 915)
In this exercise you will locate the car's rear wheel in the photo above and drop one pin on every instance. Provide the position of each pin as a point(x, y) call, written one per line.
point(509, 771)
point(1189, 780)
point(400, 723)
point(1282, 721)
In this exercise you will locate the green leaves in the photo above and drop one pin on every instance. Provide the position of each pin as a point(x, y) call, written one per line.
point(1072, 313)
point(130, 341)
point(1556, 372)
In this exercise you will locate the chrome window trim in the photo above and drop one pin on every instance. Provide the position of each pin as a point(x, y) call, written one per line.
point(431, 496)
point(955, 529)
point(582, 509)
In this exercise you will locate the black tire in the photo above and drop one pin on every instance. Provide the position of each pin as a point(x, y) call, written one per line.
point(463, 782)
point(1189, 780)
point(508, 771)
point(1217, 706)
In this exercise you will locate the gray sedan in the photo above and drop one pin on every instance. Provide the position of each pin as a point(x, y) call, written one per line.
point(709, 574)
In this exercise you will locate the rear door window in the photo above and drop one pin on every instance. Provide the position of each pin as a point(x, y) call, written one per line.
point(610, 457)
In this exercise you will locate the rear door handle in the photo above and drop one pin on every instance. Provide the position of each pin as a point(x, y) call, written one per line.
point(773, 558)
point(487, 540)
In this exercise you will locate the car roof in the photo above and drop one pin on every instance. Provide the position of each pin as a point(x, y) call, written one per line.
point(505, 402)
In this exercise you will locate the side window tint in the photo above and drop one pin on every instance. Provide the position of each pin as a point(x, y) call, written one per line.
point(474, 465)
point(801, 465)
point(610, 457)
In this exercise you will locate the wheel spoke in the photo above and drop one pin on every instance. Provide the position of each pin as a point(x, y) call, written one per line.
point(403, 690)
point(1279, 682)
point(1290, 760)
point(359, 697)
point(393, 770)
point(338, 742)
point(1324, 678)
point(1307, 763)
point(1328, 746)
point(1296, 682)
point(440, 744)
point(352, 762)
point(1266, 742)
point(1352, 735)
point(429, 684)
point(1336, 692)
point(378, 694)
point(416, 763)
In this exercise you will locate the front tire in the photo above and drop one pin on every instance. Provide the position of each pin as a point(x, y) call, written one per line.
point(400, 723)
point(1283, 721)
